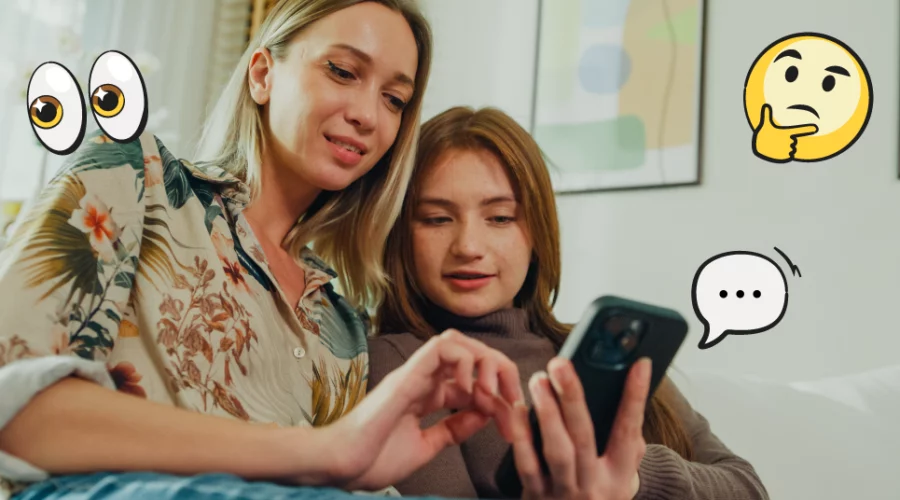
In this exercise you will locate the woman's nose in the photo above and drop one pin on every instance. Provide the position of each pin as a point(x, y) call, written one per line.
point(362, 111)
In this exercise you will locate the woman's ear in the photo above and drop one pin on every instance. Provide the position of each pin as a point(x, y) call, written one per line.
point(260, 75)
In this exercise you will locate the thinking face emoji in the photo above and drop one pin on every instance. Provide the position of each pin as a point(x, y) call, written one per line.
point(807, 97)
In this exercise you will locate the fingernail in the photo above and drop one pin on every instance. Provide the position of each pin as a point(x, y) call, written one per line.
point(534, 381)
point(559, 375)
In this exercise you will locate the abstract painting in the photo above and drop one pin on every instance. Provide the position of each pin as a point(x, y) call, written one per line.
point(617, 92)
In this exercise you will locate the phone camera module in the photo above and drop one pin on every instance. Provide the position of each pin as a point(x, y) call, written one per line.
point(618, 339)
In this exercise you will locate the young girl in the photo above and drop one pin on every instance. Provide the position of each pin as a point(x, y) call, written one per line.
point(167, 332)
point(476, 248)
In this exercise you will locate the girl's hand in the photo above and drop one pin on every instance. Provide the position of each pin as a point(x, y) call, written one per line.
point(568, 436)
point(381, 441)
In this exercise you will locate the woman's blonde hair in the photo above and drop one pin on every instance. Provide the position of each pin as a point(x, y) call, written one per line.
point(349, 228)
point(489, 129)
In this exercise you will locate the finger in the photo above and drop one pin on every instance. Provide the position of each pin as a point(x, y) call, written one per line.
point(510, 385)
point(765, 116)
point(451, 396)
point(577, 417)
point(487, 374)
point(803, 130)
point(525, 456)
point(427, 361)
point(451, 354)
point(627, 432)
point(559, 451)
point(501, 411)
point(510, 382)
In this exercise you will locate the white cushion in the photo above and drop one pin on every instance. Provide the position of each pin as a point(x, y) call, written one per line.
point(830, 439)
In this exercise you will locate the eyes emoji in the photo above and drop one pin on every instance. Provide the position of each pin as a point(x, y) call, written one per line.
point(57, 109)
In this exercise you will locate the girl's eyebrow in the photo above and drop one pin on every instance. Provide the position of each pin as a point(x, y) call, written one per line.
point(443, 202)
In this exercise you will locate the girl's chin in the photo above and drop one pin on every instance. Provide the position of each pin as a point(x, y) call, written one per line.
point(470, 310)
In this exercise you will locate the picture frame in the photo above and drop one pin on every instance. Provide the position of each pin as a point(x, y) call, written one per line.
point(618, 86)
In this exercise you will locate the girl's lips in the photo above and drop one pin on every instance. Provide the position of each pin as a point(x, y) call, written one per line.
point(468, 283)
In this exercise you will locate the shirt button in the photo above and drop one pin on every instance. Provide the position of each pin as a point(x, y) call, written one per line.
point(299, 352)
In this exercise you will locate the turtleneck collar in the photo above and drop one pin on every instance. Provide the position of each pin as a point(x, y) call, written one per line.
point(505, 323)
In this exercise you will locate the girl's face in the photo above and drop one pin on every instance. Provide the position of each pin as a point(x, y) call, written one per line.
point(470, 243)
point(333, 105)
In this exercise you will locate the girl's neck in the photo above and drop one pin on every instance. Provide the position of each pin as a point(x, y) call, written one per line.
point(511, 322)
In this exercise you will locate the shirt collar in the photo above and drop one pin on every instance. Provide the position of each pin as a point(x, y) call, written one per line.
point(236, 190)
point(232, 188)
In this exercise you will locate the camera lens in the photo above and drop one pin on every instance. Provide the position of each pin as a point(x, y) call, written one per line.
point(616, 341)
point(616, 324)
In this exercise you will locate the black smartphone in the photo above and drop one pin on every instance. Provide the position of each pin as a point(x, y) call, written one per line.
point(612, 335)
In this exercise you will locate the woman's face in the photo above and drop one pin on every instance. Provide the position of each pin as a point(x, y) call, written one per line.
point(333, 105)
point(470, 241)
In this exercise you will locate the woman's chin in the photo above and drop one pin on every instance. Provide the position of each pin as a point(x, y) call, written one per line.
point(331, 182)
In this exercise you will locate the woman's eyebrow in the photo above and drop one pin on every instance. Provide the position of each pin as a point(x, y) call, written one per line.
point(366, 58)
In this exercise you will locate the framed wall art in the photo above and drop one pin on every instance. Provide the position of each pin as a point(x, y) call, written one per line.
point(617, 92)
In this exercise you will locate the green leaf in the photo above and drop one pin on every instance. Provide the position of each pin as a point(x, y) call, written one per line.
point(124, 279)
point(212, 212)
point(112, 315)
point(178, 189)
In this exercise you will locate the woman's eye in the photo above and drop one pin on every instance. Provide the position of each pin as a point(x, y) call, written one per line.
point(56, 108)
point(502, 219)
point(340, 72)
point(118, 96)
point(397, 103)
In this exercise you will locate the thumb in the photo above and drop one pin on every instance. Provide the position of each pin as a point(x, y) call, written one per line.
point(453, 430)
point(803, 130)
point(765, 116)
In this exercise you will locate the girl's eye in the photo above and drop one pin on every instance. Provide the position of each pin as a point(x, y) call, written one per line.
point(340, 72)
point(501, 219)
point(435, 221)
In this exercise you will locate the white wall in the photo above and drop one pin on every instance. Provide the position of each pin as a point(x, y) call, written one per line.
point(839, 221)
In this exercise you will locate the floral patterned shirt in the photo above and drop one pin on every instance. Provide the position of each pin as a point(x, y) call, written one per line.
point(139, 271)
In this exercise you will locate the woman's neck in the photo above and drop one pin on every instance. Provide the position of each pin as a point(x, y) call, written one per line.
point(282, 199)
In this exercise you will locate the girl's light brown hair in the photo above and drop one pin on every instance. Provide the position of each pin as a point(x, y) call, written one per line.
point(489, 129)
point(348, 228)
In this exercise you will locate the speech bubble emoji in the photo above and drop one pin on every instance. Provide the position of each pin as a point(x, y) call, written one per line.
point(807, 97)
point(739, 293)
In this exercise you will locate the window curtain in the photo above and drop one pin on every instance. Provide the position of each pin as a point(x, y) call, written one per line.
point(185, 51)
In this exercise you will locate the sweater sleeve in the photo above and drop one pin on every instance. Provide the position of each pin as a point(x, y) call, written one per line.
point(715, 473)
point(445, 475)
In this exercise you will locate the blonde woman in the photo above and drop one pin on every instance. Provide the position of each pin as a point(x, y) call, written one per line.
point(166, 330)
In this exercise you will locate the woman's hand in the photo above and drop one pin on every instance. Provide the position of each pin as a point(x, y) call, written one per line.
point(381, 441)
point(568, 435)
